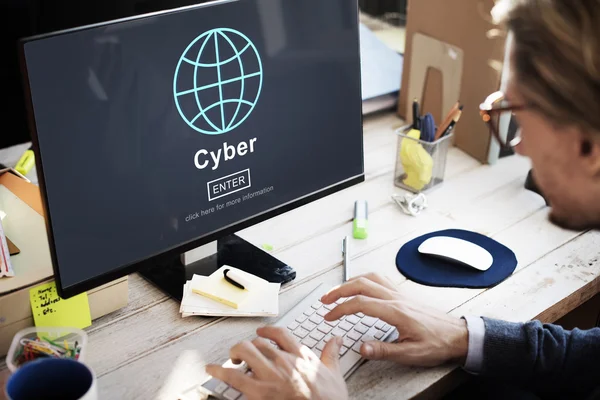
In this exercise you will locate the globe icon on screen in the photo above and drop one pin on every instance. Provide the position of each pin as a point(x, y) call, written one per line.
point(217, 81)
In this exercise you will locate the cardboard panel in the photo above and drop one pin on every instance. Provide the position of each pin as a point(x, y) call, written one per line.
point(464, 24)
point(431, 60)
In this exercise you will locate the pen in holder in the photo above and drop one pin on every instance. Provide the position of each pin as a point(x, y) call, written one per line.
point(420, 165)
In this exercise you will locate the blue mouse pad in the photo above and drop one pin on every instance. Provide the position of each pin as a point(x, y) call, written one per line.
point(432, 271)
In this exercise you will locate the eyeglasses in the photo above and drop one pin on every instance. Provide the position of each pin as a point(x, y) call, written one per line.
point(493, 110)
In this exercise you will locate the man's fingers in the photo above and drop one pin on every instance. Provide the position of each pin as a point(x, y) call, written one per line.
point(233, 377)
point(377, 278)
point(382, 309)
point(260, 365)
point(281, 359)
point(358, 286)
point(330, 356)
point(284, 340)
point(376, 350)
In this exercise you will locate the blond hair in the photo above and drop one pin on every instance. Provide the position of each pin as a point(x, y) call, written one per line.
point(556, 57)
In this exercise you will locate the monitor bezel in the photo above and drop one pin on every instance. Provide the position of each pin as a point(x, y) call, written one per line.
point(73, 290)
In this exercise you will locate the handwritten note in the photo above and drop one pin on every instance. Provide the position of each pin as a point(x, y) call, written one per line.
point(49, 309)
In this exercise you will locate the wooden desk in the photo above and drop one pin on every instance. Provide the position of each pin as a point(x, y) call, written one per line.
point(148, 351)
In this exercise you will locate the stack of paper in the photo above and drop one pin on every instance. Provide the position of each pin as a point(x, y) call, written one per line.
point(260, 299)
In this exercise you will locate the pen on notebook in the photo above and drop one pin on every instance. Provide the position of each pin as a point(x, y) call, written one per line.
point(235, 279)
point(345, 253)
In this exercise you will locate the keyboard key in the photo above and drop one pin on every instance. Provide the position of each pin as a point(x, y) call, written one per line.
point(317, 305)
point(353, 319)
point(330, 306)
point(309, 342)
point(317, 352)
point(368, 321)
point(379, 335)
point(333, 323)
point(301, 332)
point(379, 324)
point(361, 328)
point(354, 335)
point(338, 332)
point(309, 326)
point(360, 315)
point(309, 312)
point(317, 335)
point(340, 300)
point(324, 327)
point(356, 346)
point(327, 337)
point(322, 311)
point(292, 326)
point(343, 350)
point(370, 335)
point(386, 327)
point(367, 338)
point(348, 342)
point(349, 360)
point(221, 387)
point(301, 318)
point(231, 394)
point(345, 326)
point(315, 319)
point(321, 345)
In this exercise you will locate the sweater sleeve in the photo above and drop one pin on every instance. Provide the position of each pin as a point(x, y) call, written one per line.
point(544, 358)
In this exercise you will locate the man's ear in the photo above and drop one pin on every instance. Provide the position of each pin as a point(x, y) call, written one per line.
point(590, 153)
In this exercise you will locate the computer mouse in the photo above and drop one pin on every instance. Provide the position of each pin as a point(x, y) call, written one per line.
point(457, 250)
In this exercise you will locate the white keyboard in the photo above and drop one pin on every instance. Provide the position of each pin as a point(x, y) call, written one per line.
point(305, 321)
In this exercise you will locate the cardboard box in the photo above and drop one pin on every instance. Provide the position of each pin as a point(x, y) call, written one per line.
point(464, 25)
point(23, 219)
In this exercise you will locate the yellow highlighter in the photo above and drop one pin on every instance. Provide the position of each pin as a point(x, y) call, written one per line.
point(26, 162)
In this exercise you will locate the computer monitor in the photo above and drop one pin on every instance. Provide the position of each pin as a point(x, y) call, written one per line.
point(24, 18)
point(163, 132)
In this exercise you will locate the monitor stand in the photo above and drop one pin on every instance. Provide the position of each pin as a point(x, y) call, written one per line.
point(171, 274)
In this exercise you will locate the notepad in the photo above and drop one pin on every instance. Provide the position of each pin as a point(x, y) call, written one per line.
point(217, 288)
point(262, 299)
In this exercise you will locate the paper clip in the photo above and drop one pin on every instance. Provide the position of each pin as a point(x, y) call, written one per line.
point(411, 204)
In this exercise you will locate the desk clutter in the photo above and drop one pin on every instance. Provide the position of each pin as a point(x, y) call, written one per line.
point(230, 292)
point(422, 149)
point(31, 344)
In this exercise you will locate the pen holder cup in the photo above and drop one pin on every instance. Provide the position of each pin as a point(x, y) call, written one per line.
point(30, 344)
point(420, 165)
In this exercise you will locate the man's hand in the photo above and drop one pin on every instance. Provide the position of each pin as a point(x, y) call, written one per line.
point(427, 337)
point(291, 372)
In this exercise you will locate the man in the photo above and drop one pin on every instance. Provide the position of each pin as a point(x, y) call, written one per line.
point(554, 93)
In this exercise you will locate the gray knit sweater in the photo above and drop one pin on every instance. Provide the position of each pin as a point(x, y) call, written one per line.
point(552, 362)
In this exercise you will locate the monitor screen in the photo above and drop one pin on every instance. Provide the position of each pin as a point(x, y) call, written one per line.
point(155, 132)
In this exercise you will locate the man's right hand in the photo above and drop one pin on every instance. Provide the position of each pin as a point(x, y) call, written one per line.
point(427, 337)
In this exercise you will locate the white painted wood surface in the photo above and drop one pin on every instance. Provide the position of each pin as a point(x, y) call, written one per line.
point(148, 351)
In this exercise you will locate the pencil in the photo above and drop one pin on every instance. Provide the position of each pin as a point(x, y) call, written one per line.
point(442, 128)
point(444, 125)
point(452, 124)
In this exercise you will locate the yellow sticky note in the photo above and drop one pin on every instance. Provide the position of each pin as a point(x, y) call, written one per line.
point(215, 287)
point(50, 310)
